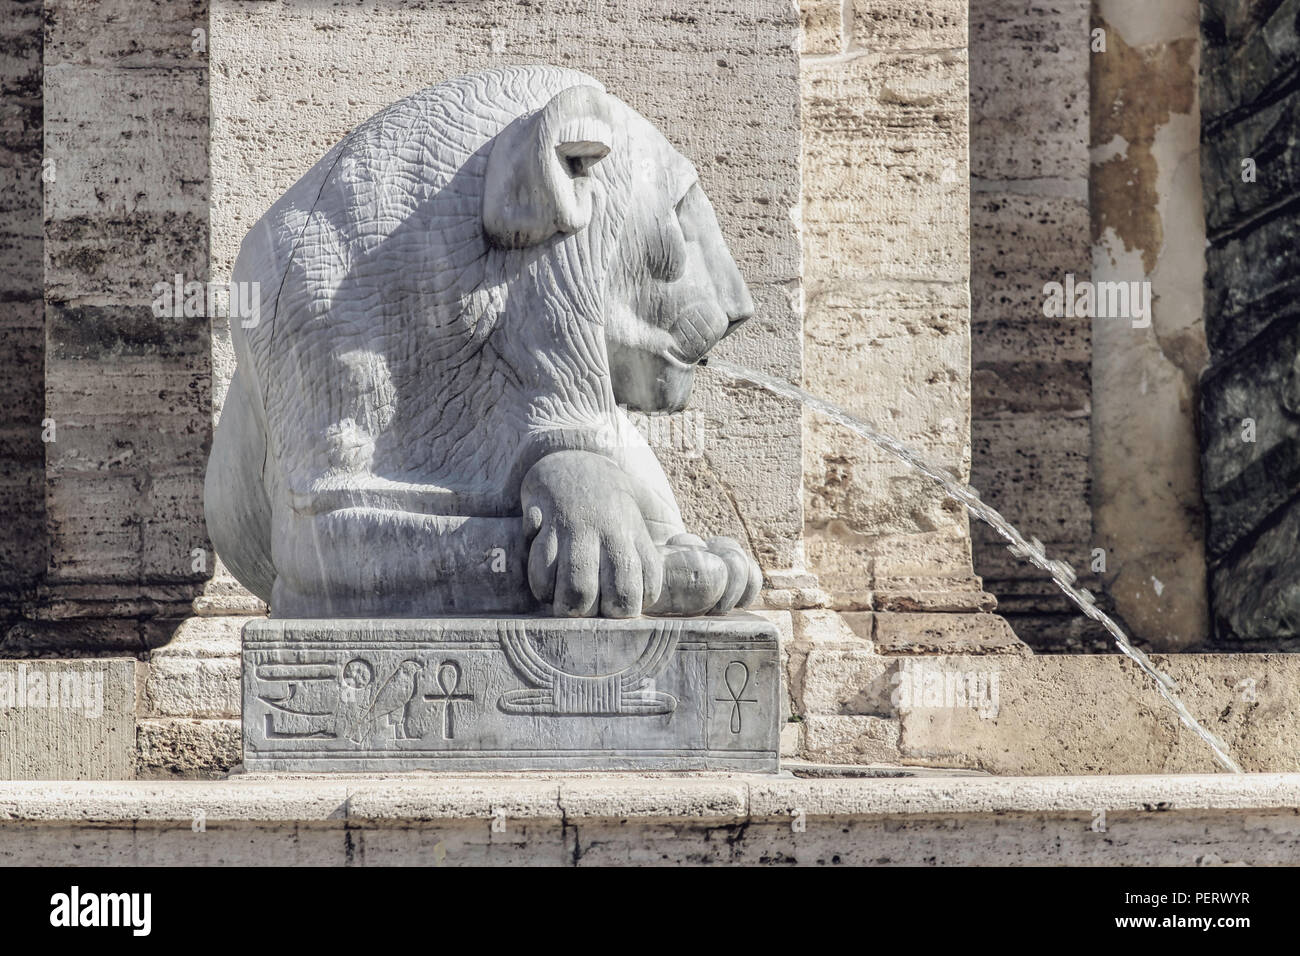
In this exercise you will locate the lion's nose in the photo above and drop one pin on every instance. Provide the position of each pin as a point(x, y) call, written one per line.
point(743, 306)
point(740, 309)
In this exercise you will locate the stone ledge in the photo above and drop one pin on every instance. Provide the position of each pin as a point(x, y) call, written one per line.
point(706, 798)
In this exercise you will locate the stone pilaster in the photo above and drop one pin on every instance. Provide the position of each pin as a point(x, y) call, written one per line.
point(1031, 374)
point(126, 403)
point(886, 284)
point(23, 541)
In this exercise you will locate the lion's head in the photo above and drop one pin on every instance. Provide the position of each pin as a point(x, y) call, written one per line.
point(671, 289)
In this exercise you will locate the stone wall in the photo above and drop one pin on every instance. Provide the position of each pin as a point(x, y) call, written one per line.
point(887, 335)
point(103, 524)
point(887, 330)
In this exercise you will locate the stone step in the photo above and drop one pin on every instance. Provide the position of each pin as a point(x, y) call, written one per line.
point(611, 819)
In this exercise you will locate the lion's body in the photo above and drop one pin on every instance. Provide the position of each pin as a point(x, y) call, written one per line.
point(404, 372)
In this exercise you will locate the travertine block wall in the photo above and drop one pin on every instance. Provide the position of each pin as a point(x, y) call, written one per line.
point(887, 330)
point(887, 334)
point(1031, 379)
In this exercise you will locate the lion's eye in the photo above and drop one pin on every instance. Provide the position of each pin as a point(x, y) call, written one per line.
point(680, 208)
point(687, 211)
point(667, 256)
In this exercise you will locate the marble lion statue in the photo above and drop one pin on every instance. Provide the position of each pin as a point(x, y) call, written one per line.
point(453, 304)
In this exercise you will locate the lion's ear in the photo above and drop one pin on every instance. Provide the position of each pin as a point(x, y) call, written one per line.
point(537, 183)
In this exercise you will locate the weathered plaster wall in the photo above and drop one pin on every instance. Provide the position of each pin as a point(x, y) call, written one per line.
point(1031, 390)
point(1148, 225)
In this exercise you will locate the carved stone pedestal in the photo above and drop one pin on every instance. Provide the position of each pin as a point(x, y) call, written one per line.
point(511, 694)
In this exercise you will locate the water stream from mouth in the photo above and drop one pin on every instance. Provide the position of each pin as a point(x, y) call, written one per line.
point(1031, 550)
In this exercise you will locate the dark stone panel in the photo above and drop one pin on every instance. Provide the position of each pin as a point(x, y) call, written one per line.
point(1031, 390)
point(24, 550)
point(22, 365)
point(127, 33)
point(1050, 387)
point(107, 636)
point(1251, 57)
point(1225, 23)
point(143, 416)
point(1068, 632)
point(1233, 205)
point(1257, 589)
point(20, 54)
point(1023, 335)
point(1250, 102)
point(122, 258)
point(102, 333)
point(1245, 481)
point(1251, 281)
point(22, 268)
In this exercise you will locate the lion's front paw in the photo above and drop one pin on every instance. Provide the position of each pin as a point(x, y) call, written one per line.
point(589, 552)
point(706, 577)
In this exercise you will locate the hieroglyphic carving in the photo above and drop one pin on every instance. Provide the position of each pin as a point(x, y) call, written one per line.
point(325, 700)
point(629, 691)
point(309, 703)
point(447, 680)
point(463, 694)
point(736, 678)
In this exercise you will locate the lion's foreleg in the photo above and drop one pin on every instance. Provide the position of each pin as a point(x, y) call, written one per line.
point(357, 562)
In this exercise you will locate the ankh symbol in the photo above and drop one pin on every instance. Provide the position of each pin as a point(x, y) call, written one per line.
point(448, 681)
point(731, 677)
